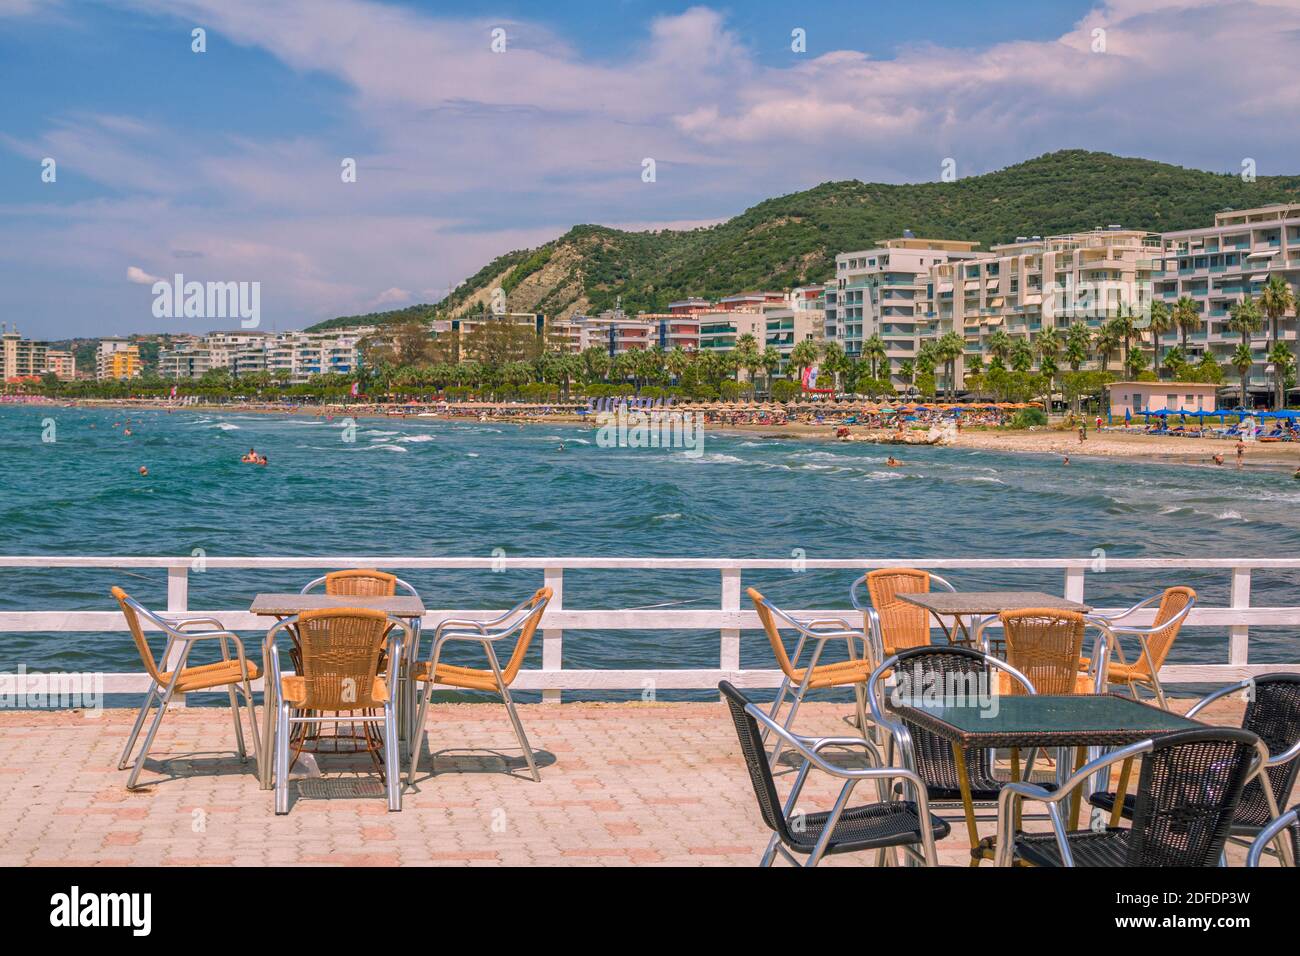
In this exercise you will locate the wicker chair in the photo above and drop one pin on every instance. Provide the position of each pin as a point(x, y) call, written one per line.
point(360, 582)
point(1273, 713)
point(891, 624)
point(341, 648)
point(842, 829)
point(925, 752)
point(522, 620)
point(1155, 642)
point(367, 582)
point(1290, 822)
point(1045, 645)
point(236, 675)
point(1189, 785)
point(798, 681)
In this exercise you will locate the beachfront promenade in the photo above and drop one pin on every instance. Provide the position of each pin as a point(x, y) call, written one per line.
point(622, 784)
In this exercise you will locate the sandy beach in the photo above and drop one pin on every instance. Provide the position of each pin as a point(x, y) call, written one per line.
point(1160, 449)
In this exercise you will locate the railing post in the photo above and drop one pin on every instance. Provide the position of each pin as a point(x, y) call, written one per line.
point(729, 657)
point(553, 637)
point(1239, 634)
point(178, 602)
point(1074, 585)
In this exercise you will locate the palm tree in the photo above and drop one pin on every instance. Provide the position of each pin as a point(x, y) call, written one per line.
point(769, 361)
point(1161, 322)
point(1243, 360)
point(873, 350)
point(948, 350)
point(1107, 341)
point(1078, 339)
point(1126, 330)
point(907, 372)
point(1187, 316)
point(1275, 301)
point(1280, 357)
point(999, 346)
point(834, 361)
point(804, 355)
point(1022, 356)
point(1244, 317)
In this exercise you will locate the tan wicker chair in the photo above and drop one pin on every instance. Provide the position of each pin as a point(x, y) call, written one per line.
point(522, 620)
point(235, 674)
point(893, 625)
point(799, 680)
point(341, 648)
point(1154, 641)
point(1045, 645)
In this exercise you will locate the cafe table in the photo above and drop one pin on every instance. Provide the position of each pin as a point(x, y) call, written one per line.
point(1034, 721)
point(404, 607)
point(984, 606)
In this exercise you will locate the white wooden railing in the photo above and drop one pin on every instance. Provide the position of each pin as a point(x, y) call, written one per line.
point(728, 619)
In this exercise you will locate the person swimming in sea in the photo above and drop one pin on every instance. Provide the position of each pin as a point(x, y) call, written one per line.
point(262, 460)
point(893, 462)
point(251, 457)
point(1217, 458)
point(561, 448)
point(1066, 461)
point(144, 472)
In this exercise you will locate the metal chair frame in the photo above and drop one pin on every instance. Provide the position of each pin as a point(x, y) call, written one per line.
point(1270, 833)
point(1016, 791)
point(182, 642)
point(287, 716)
point(901, 738)
point(807, 630)
point(810, 749)
point(487, 639)
point(1142, 634)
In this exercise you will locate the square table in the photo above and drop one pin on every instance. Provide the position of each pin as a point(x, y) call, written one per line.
point(405, 607)
point(984, 606)
point(1034, 720)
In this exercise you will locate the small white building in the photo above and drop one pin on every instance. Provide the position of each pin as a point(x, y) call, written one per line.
point(1138, 397)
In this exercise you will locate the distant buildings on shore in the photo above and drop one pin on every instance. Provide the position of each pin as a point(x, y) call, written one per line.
point(905, 291)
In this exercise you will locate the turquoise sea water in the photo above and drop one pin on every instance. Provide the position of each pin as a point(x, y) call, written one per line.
point(427, 487)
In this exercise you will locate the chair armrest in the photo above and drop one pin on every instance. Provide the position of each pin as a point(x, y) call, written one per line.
point(1218, 694)
point(1123, 614)
point(182, 623)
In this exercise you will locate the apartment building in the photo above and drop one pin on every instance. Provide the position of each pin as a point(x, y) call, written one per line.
point(1217, 266)
point(876, 292)
point(292, 356)
point(1033, 283)
point(20, 357)
point(62, 363)
point(117, 358)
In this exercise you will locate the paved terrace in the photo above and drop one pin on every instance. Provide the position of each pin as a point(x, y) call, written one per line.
point(647, 784)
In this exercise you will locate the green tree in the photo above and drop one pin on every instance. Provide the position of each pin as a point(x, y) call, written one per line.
point(1280, 357)
point(1275, 300)
point(1160, 322)
point(999, 347)
point(873, 350)
point(1078, 340)
point(1187, 316)
point(1243, 360)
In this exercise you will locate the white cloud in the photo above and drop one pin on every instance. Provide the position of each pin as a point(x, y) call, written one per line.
point(464, 154)
point(139, 276)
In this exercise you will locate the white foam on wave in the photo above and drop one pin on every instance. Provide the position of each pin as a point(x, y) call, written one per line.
point(670, 516)
point(472, 454)
point(375, 431)
point(225, 427)
point(414, 439)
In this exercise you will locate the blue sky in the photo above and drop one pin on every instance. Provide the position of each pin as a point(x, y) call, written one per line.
point(225, 165)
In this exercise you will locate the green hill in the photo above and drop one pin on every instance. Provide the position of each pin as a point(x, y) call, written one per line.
point(792, 240)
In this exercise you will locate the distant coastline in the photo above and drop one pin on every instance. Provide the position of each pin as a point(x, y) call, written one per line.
point(1048, 441)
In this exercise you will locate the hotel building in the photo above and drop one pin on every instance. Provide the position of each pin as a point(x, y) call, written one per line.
point(876, 292)
point(62, 363)
point(20, 357)
point(292, 356)
point(117, 358)
point(1025, 286)
point(1217, 266)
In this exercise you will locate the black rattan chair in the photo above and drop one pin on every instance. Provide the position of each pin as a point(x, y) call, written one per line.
point(1188, 789)
point(924, 751)
point(1273, 713)
point(1289, 821)
point(842, 829)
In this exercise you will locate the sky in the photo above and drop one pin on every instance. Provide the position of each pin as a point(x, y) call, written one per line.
point(227, 165)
